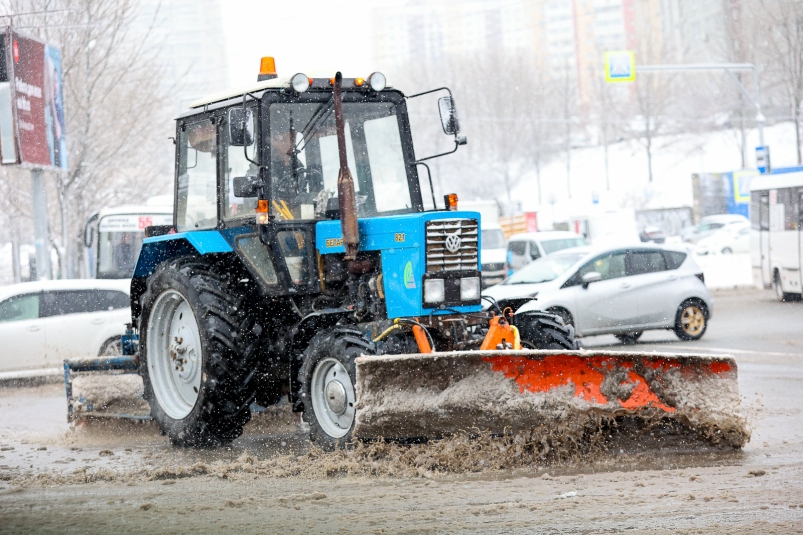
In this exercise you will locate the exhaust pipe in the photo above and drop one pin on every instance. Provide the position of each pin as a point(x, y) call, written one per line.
point(345, 183)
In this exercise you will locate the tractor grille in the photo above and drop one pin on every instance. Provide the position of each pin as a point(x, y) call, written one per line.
point(461, 236)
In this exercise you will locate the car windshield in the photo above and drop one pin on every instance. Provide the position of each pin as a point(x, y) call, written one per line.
point(305, 164)
point(493, 239)
point(545, 269)
point(551, 246)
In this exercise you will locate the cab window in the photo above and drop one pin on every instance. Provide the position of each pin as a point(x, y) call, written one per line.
point(534, 252)
point(235, 165)
point(196, 195)
point(20, 307)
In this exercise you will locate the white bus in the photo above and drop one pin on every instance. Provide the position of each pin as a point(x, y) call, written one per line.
point(776, 240)
point(119, 233)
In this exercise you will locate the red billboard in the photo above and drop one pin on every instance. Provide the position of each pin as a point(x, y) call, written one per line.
point(31, 103)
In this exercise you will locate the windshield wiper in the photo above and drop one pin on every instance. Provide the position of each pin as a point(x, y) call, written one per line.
point(530, 282)
point(315, 123)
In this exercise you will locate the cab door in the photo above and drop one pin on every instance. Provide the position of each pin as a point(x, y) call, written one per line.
point(22, 334)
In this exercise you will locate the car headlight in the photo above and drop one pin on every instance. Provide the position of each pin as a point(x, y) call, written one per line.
point(470, 289)
point(433, 291)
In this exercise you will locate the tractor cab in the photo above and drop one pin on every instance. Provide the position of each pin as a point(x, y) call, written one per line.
point(257, 173)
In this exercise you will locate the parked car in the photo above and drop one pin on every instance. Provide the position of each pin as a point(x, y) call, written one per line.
point(733, 238)
point(527, 247)
point(614, 290)
point(710, 224)
point(493, 255)
point(42, 323)
point(652, 234)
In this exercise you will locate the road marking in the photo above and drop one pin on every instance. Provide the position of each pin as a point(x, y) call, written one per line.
point(744, 351)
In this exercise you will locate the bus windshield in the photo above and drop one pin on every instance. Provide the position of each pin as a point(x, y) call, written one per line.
point(119, 241)
point(117, 254)
point(304, 160)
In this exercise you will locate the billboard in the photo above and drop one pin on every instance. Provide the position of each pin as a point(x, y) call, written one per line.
point(31, 103)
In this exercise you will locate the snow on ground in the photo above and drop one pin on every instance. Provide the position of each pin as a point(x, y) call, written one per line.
point(675, 159)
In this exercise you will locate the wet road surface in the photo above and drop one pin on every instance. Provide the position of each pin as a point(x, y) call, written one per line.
point(123, 477)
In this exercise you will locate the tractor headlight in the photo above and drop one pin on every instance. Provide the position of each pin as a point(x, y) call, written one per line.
point(433, 291)
point(377, 81)
point(300, 82)
point(470, 289)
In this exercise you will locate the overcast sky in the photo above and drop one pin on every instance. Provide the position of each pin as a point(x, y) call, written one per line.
point(316, 37)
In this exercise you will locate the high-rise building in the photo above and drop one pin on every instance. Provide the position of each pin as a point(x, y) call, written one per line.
point(190, 34)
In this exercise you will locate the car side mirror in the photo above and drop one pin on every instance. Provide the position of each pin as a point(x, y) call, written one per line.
point(590, 277)
point(449, 120)
point(241, 127)
point(245, 186)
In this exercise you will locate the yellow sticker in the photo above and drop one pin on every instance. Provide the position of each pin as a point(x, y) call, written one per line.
point(399, 237)
point(334, 242)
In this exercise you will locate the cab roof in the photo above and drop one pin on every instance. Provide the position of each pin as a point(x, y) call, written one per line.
point(275, 83)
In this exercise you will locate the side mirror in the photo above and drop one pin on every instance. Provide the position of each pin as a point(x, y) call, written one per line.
point(590, 277)
point(448, 111)
point(245, 186)
point(241, 127)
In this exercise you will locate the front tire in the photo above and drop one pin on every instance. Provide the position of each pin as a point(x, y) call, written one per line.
point(197, 353)
point(540, 330)
point(328, 377)
point(691, 320)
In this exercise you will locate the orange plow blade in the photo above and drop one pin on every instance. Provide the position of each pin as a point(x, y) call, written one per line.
point(438, 394)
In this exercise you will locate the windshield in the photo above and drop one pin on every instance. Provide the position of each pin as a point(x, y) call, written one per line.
point(545, 269)
point(304, 159)
point(117, 254)
point(493, 239)
point(552, 246)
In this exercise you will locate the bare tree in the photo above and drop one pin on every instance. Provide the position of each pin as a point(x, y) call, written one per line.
point(114, 101)
point(781, 44)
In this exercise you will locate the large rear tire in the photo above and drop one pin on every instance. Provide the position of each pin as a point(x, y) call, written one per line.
point(328, 377)
point(197, 353)
point(539, 330)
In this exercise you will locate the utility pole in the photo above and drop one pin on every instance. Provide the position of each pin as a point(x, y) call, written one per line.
point(41, 240)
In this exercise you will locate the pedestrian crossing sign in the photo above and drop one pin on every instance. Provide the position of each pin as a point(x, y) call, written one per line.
point(620, 66)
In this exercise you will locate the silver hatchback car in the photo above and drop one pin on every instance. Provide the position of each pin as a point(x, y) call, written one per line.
point(614, 290)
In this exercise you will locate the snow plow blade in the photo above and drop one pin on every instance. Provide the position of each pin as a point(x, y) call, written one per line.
point(440, 394)
point(104, 387)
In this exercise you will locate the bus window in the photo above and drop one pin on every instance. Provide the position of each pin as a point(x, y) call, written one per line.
point(787, 197)
point(755, 210)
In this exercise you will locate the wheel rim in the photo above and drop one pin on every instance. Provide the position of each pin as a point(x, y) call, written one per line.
point(692, 320)
point(115, 348)
point(333, 397)
point(174, 354)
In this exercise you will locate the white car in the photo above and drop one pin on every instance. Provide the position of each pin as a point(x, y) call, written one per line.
point(710, 224)
point(733, 238)
point(613, 290)
point(493, 255)
point(42, 323)
point(527, 247)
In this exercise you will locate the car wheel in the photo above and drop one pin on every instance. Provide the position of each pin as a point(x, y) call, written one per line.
point(727, 250)
point(113, 347)
point(564, 315)
point(629, 338)
point(691, 320)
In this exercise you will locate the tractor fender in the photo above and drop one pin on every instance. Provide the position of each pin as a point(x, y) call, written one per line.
point(158, 249)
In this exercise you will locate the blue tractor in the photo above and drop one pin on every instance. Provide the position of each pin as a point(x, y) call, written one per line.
point(300, 242)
